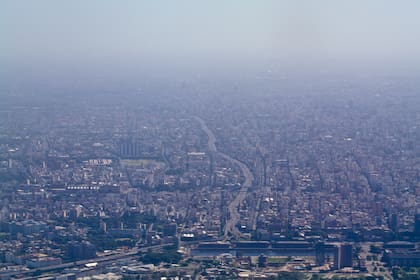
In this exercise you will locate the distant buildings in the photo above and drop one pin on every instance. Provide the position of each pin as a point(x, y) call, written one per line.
point(130, 148)
point(404, 254)
point(326, 176)
point(81, 250)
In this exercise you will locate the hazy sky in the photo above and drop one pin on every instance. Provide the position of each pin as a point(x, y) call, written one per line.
point(87, 31)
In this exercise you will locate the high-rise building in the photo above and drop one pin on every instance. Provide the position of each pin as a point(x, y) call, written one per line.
point(417, 225)
point(343, 256)
point(81, 250)
point(393, 222)
point(130, 148)
point(346, 252)
point(320, 253)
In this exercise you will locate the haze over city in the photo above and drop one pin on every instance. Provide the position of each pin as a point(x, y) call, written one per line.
point(164, 36)
point(209, 139)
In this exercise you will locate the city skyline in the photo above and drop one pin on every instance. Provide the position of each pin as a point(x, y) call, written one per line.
point(182, 140)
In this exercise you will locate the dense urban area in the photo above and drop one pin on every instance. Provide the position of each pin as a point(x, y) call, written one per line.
point(270, 177)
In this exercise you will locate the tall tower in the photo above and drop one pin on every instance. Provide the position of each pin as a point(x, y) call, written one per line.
point(393, 222)
point(320, 253)
point(417, 226)
point(343, 256)
point(346, 252)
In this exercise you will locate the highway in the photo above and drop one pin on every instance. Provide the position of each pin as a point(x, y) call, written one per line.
point(230, 227)
point(100, 261)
